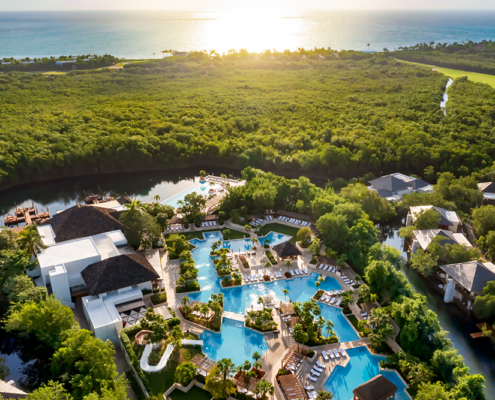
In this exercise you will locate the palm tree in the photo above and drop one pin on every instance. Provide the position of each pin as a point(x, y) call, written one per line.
point(288, 263)
point(256, 356)
point(134, 205)
point(329, 327)
point(30, 240)
point(254, 240)
point(247, 228)
point(204, 310)
point(286, 292)
point(185, 300)
point(261, 302)
point(267, 242)
point(263, 388)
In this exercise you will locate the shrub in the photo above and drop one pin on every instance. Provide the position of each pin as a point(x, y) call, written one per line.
point(173, 322)
point(159, 298)
point(245, 264)
point(147, 291)
point(271, 257)
point(154, 358)
point(132, 355)
point(186, 225)
point(311, 353)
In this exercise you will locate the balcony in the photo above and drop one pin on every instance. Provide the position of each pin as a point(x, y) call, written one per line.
point(442, 276)
point(463, 305)
point(465, 293)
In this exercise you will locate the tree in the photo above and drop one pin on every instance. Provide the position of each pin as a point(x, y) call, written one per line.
point(285, 292)
point(484, 305)
point(263, 388)
point(384, 252)
point(86, 363)
point(288, 263)
point(299, 334)
point(444, 362)
point(192, 205)
point(217, 385)
point(202, 173)
point(156, 324)
point(487, 244)
point(484, 220)
point(254, 241)
point(141, 229)
point(264, 198)
point(4, 369)
point(430, 390)
point(347, 299)
point(324, 395)
point(329, 328)
point(14, 263)
point(185, 300)
point(21, 289)
point(381, 329)
point(185, 373)
point(315, 246)
point(177, 336)
point(8, 238)
point(226, 233)
point(304, 237)
point(319, 281)
point(51, 391)
point(30, 240)
point(365, 293)
point(334, 228)
point(256, 356)
point(428, 219)
point(245, 366)
point(247, 228)
point(31, 318)
point(424, 262)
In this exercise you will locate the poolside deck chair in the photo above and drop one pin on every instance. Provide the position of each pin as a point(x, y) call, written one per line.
point(316, 368)
point(292, 273)
point(338, 302)
point(320, 364)
point(315, 372)
point(272, 277)
point(310, 387)
point(343, 352)
point(311, 378)
point(336, 353)
point(320, 266)
point(260, 277)
point(324, 354)
point(323, 297)
point(305, 270)
point(330, 353)
point(364, 314)
point(333, 300)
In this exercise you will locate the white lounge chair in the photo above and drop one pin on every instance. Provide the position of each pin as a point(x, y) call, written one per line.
point(320, 364)
point(260, 277)
point(315, 372)
point(316, 368)
point(323, 297)
point(333, 300)
point(336, 353)
point(311, 378)
point(338, 302)
point(330, 353)
point(343, 352)
point(305, 270)
point(292, 272)
point(310, 387)
point(324, 354)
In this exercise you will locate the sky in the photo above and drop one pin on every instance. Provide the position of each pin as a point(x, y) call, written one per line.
point(204, 5)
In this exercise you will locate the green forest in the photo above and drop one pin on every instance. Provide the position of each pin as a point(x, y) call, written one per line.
point(348, 115)
point(467, 56)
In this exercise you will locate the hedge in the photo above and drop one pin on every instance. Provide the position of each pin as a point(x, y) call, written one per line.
point(132, 355)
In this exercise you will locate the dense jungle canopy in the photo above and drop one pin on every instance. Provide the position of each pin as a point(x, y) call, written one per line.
point(347, 115)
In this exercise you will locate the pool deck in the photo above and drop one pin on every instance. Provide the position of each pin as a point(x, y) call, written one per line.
point(279, 342)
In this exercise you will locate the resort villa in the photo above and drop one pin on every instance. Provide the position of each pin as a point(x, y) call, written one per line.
point(461, 283)
point(448, 219)
point(87, 254)
point(423, 238)
point(488, 190)
point(394, 186)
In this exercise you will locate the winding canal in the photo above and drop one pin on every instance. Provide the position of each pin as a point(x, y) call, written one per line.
point(479, 354)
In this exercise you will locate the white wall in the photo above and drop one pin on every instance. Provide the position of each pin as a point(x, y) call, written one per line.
point(145, 285)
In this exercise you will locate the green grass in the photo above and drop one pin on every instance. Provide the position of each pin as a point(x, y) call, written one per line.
point(195, 393)
point(283, 229)
point(456, 73)
point(55, 72)
point(161, 381)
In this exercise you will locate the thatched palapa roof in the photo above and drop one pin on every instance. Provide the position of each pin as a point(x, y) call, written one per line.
point(287, 249)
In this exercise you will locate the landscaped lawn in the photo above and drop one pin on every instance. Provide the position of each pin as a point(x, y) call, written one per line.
point(195, 393)
point(283, 229)
point(456, 73)
point(161, 381)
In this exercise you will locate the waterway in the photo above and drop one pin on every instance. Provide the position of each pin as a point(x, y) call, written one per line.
point(479, 354)
point(443, 103)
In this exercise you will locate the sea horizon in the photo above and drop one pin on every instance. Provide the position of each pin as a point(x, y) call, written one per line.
point(139, 34)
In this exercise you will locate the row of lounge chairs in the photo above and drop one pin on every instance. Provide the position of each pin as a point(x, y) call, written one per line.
point(294, 221)
point(317, 369)
point(173, 228)
point(249, 393)
point(296, 272)
point(333, 301)
point(208, 223)
point(259, 277)
point(328, 268)
point(348, 282)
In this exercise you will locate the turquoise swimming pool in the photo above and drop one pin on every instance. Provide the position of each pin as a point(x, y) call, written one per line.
point(199, 188)
point(362, 366)
point(234, 342)
point(239, 298)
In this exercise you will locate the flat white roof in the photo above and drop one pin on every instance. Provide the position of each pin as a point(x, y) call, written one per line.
point(67, 252)
point(47, 235)
point(490, 196)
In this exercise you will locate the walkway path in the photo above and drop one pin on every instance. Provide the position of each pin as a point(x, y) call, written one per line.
point(234, 316)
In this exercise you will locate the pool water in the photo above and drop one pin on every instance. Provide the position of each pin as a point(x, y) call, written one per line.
point(199, 188)
point(234, 342)
point(239, 298)
point(362, 366)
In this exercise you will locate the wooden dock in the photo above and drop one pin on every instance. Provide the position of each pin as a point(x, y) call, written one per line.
point(483, 327)
point(25, 215)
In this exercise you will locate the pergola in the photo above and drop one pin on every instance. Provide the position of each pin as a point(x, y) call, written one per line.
point(244, 381)
point(204, 364)
point(292, 387)
point(287, 308)
point(294, 351)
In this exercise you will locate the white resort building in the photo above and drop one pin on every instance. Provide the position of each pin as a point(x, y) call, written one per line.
point(87, 255)
point(423, 238)
point(448, 219)
point(394, 186)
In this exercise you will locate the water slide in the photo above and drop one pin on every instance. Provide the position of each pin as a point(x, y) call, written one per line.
point(163, 361)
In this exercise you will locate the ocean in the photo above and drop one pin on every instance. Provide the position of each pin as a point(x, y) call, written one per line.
point(144, 34)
